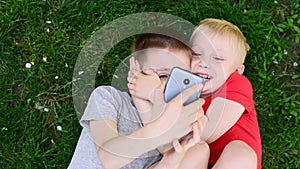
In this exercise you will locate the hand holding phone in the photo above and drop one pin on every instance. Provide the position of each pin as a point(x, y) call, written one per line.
point(178, 81)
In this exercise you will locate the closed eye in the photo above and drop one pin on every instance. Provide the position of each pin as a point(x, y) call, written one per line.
point(163, 76)
point(196, 54)
point(219, 58)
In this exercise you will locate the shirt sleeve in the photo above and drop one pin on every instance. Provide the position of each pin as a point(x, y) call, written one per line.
point(239, 89)
point(102, 105)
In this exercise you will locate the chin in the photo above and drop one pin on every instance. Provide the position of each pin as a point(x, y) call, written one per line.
point(205, 93)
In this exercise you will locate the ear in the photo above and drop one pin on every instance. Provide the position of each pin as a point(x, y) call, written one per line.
point(241, 69)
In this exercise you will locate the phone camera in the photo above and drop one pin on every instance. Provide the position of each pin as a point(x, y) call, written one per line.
point(186, 81)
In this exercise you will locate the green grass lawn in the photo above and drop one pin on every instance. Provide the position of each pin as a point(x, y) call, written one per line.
point(38, 124)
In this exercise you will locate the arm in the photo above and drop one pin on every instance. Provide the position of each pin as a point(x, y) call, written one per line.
point(143, 88)
point(222, 114)
point(112, 147)
point(175, 121)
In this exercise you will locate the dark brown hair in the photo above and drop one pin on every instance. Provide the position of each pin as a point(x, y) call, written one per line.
point(161, 38)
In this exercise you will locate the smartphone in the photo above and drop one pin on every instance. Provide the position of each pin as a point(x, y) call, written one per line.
point(178, 81)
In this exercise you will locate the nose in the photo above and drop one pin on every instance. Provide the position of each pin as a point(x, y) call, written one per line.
point(200, 62)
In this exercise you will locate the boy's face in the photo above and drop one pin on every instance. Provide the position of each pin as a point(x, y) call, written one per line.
point(163, 60)
point(214, 59)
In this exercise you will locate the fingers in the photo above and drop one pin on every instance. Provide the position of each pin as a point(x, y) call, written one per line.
point(131, 63)
point(134, 71)
point(187, 93)
point(186, 138)
point(194, 109)
point(137, 65)
point(149, 71)
point(133, 75)
point(177, 146)
point(196, 132)
point(134, 64)
point(194, 137)
point(157, 97)
point(131, 88)
point(202, 122)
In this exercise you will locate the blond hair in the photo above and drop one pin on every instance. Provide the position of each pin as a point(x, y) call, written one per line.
point(225, 28)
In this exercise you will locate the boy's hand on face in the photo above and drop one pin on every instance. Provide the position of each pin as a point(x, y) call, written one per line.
point(142, 84)
point(134, 70)
point(143, 98)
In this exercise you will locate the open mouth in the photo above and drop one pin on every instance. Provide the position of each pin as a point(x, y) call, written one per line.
point(204, 76)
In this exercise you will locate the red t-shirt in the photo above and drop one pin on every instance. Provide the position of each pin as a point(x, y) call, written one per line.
point(239, 89)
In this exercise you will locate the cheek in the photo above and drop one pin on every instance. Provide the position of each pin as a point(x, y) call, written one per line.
point(163, 84)
point(193, 66)
point(188, 63)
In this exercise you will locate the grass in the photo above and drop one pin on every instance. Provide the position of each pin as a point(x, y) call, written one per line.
point(35, 101)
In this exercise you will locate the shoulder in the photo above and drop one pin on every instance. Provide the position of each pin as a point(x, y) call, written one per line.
point(107, 89)
point(236, 77)
point(109, 92)
point(238, 82)
point(105, 103)
point(239, 89)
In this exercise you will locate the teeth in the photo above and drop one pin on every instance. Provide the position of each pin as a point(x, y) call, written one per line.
point(205, 76)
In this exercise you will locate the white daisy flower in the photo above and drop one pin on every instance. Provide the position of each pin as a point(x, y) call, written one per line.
point(59, 128)
point(28, 65)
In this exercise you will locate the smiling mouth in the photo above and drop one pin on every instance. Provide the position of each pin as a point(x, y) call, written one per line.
point(204, 76)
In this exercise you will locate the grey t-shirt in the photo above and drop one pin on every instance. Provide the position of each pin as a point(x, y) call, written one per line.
point(108, 103)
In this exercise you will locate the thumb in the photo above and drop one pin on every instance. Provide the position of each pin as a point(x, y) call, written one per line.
point(159, 105)
point(157, 97)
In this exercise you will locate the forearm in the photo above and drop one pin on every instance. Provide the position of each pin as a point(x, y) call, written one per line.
point(222, 114)
point(112, 161)
point(134, 144)
point(117, 151)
